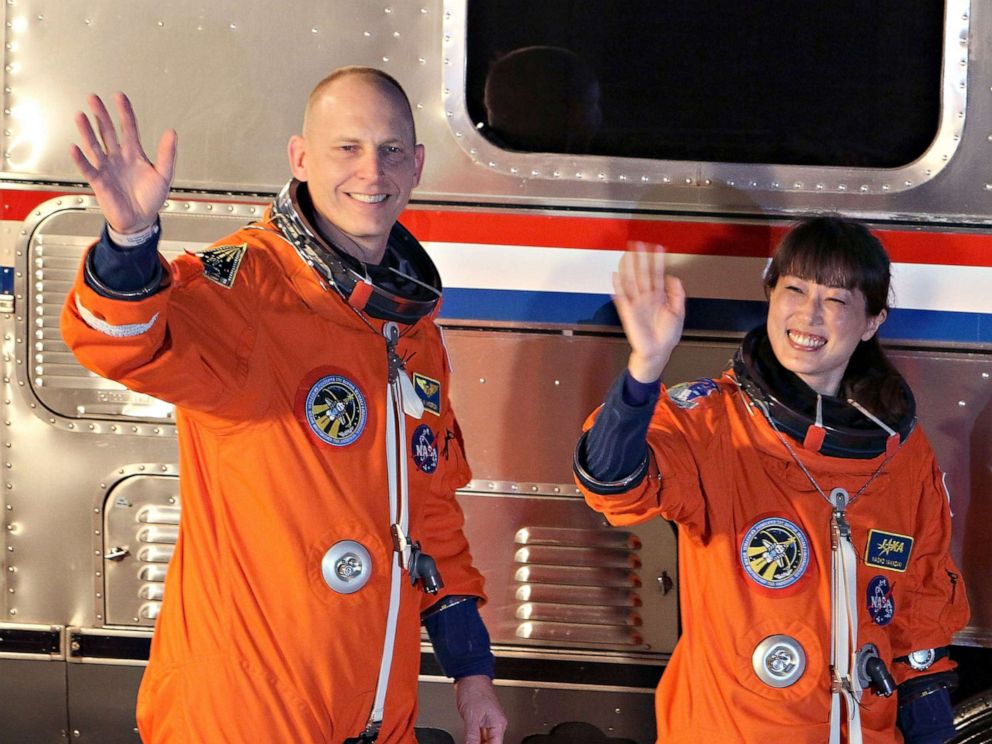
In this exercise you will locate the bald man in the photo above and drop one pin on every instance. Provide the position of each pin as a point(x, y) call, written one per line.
point(319, 454)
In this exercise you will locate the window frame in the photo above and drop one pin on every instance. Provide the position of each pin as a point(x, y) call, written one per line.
point(755, 177)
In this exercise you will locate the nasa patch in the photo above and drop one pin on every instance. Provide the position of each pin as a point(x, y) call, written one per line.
point(775, 553)
point(881, 605)
point(221, 264)
point(423, 448)
point(685, 394)
point(888, 550)
point(429, 391)
point(335, 410)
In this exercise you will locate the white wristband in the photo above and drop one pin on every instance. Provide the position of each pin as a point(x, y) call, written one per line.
point(130, 240)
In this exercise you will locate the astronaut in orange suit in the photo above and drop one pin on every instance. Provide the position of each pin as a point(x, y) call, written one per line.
point(319, 454)
point(818, 594)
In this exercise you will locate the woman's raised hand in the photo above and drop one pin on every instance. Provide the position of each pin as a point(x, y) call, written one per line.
point(128, 186)
point(651, 306)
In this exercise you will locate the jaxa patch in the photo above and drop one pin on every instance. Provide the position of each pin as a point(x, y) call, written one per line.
point(221, 264)
point(429, 391)
point(336, 410)
point(888, 550)
point(423, 448)
point(775, 553)
point(881, 605)
point(685, 394)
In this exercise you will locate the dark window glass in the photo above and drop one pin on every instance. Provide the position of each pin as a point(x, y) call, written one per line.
point(803, 82)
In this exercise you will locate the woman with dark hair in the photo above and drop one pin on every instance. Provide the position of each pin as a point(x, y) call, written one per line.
point(818, 594)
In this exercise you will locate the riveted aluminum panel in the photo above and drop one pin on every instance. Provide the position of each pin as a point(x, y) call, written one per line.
point(141, 517)
point(101, 702)
point(209, 70)
point(33, 709)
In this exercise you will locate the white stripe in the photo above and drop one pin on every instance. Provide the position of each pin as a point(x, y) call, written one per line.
point(588, 271)
point(107, 329)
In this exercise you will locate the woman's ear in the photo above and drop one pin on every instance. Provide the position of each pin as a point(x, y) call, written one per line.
point(874, 324)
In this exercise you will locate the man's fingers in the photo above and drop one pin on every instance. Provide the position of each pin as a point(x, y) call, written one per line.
point(129, 122)
point(104, 125)
point(86, 169)
point(90, 146)
point(165, 158)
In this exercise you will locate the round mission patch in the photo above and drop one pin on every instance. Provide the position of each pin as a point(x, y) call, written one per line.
point(775, 553)
point(336, 410)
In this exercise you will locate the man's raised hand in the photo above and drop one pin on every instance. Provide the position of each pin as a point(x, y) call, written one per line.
point(128, 186)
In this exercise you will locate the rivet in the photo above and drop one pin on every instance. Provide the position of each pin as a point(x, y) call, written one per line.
point(962, 403)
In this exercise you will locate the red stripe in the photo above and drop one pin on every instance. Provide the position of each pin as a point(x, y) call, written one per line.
point(678, 236)
point(17, 204)
point(611, 233)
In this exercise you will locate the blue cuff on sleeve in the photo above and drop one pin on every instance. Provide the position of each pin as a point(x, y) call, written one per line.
point(124, 273)
point(460, 640)
point(616, 446)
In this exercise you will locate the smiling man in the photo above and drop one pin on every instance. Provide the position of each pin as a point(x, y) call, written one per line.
point(320, 526)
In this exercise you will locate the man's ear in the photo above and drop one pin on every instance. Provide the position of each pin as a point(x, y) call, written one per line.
point(874, 324)
point(297, 157)
point(418, 160)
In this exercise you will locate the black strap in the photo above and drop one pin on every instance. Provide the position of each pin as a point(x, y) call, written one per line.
point(938, 654)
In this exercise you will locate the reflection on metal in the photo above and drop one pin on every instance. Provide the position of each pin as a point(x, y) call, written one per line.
point(141, 512)
point(563, 536)
point(157, 514)
point(152, 591)
point(779, 661)
point(346, 566)
point(578, 614)
point(593, 595)
point(155, 554)
point(577, 557)
point(591, 577)
point(578, 577)
point(150, 610)
point(564, 632)
point(578, 173)
point(159, 534)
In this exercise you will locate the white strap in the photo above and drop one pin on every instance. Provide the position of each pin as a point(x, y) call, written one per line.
point(844, 637)
point(398, 514)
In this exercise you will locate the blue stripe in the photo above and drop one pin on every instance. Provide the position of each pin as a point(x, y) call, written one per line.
point(576, 308)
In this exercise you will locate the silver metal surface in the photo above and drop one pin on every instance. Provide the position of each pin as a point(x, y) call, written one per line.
point(347, 566)
point(779, 661)
point(198, 54)
point(34, 707)
point(89, 491)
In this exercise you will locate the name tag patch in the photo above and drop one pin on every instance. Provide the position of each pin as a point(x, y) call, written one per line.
point(888, 550)
point(429, 391)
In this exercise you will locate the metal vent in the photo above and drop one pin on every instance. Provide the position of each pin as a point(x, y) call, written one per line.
point(141, 526)
point(58, 237)
point(578, 585)
point(58, 379)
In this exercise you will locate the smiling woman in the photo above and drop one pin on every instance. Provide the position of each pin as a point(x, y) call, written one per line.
point(808, 500)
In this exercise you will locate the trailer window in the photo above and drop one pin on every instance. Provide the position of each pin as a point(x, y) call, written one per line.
point(845, 82)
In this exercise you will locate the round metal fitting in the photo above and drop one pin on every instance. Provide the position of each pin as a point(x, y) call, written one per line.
point(346, 566)
point(865, 654)
point(779, 661)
